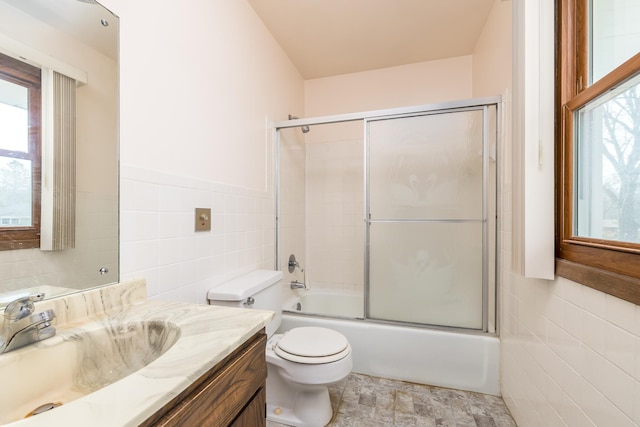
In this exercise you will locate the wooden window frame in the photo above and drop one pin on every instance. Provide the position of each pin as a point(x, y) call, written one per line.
point(27, 76)
point(611, 267)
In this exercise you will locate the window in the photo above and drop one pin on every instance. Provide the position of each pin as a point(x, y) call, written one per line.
point(20, 164)
point(598, 150)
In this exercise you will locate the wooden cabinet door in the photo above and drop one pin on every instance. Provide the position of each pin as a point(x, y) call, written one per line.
point(254, 414)
point(217, 399)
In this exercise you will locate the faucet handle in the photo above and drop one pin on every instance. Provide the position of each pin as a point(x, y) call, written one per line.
point(22, 307)
point(293, 264)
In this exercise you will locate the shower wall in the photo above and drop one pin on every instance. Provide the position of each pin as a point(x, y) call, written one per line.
point(322, 205)
point(338, 261)
point(401, 209)
point(292, 238)
point(335, 203)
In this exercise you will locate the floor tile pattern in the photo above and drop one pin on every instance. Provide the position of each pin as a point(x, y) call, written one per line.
point(364, 401)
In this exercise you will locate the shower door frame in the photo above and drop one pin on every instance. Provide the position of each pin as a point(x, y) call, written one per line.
point(402, 112)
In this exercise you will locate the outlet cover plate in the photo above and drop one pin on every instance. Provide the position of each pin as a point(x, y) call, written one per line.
point(203, 219)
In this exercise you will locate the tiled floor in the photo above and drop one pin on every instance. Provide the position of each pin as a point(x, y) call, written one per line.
point(363, 401)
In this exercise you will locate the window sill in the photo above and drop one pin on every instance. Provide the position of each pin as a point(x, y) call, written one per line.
point(617, 285)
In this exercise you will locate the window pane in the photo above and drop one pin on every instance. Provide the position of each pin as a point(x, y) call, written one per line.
point(14, 117)
point(15, 192)
point(607, 165)
point(615, 34)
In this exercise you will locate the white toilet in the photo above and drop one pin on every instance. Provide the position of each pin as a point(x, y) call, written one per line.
point(301, 363)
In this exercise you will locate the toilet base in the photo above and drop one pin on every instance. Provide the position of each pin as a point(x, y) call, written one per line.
point(309, 409)
point(295, 404)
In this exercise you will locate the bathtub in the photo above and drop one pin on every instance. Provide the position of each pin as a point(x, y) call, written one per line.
point(459, 360)
point(327, 303)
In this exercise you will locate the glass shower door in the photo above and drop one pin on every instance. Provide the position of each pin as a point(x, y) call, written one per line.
point(428, 206)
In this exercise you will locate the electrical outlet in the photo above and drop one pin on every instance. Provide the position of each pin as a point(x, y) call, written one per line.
point(203, 219)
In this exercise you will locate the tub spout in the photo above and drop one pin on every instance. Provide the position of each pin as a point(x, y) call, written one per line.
point(297, 285)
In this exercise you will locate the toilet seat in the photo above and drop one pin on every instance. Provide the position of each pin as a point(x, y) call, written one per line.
point(312, 345)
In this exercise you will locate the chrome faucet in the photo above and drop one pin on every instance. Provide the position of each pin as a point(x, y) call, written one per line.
point(22, 326)
point(293, 264)
point(297, 285)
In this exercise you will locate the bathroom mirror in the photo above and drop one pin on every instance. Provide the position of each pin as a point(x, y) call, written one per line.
point(79, 39)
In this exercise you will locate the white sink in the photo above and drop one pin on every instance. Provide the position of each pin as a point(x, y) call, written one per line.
point(77, 362)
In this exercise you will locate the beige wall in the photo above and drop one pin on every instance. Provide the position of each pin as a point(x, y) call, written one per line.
point(492, 54)
point(198, 87)
point(413, 84)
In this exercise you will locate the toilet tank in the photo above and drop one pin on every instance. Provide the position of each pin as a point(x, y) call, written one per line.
point(260, 289)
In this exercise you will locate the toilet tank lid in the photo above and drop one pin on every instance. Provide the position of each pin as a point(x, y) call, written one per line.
point(244, 286)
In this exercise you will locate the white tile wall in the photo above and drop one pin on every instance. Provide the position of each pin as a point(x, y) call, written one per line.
point(158, 241)
point(293, 235)
point(570, 354)
point(322, 202)
point(335, 226)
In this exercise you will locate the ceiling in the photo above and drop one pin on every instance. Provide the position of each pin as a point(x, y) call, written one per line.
point(80, 19)
point(321, 37)
point(331, 37)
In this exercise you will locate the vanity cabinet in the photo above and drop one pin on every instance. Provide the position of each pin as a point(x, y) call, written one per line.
point(232, 393)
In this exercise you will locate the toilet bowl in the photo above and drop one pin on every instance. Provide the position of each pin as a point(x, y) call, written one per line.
point(301, 363)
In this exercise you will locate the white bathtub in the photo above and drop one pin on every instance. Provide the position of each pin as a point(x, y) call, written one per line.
point(327, 303)
point(464, 361)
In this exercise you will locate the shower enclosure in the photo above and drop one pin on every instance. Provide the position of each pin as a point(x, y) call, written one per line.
point(391, 214)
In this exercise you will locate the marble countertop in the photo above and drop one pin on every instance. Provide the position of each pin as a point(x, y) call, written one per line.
point(207, 335)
